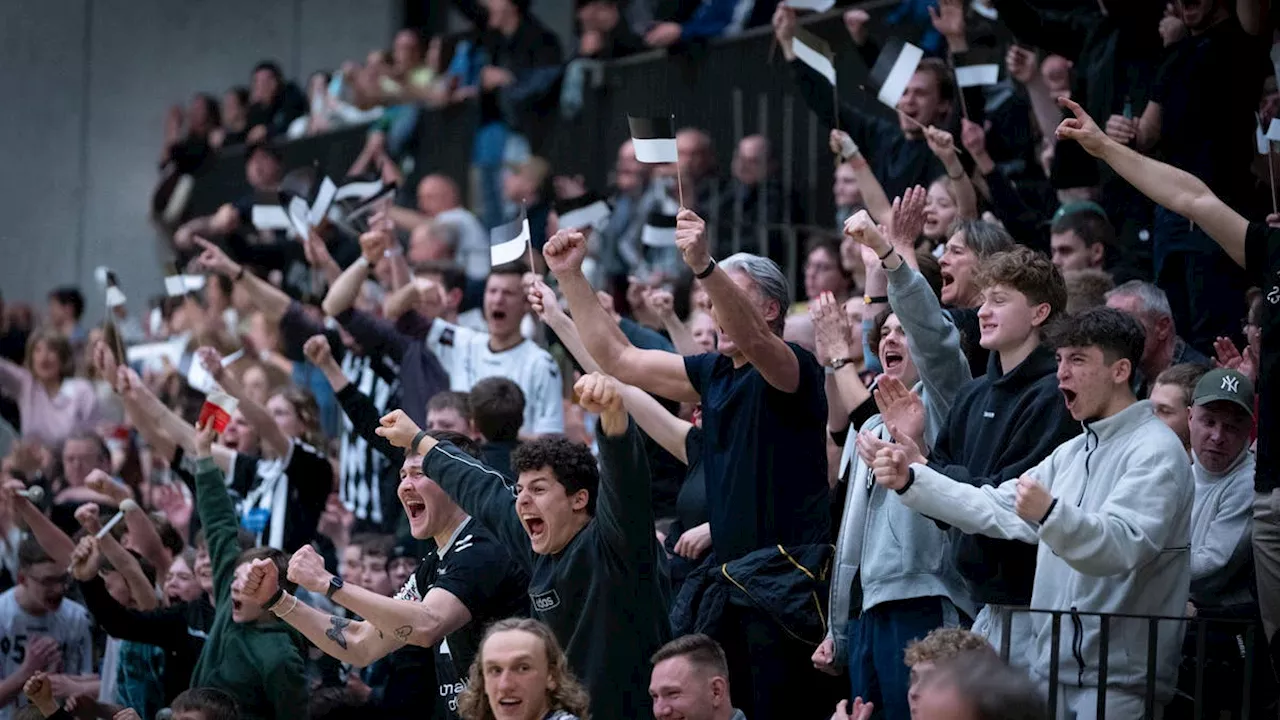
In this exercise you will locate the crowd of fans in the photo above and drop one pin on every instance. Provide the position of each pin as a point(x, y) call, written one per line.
point(1003, 445)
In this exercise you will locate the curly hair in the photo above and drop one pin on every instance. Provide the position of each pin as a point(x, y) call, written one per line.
point(944, 644)
point(1030, 273)
point(569, 694)
point(308, 411)
point(571, 464)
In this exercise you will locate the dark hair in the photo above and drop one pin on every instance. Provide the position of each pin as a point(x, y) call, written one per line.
point(242, 94)
point(497, 409)
point(170, 538)
point(69, 295)
point(983, 239)
point(270, 66)
point(1089, 226)
point(148, 570)
point(1117, 334)
point(876, 331)
point(931, 271)
point(451, 275)
point(455, 400)
point(31, 553)
point(462, 442)
point(269, 553)
point(1185, 376)
point(1030, 273)
point(213, 703)
point(211, 107)
point(104, 452)
point(263, 147)
point(375, 544)
point(512, 268)
point(571, 463)
point(942, 74)
point(699, 649)
point(832, 247)
point(307, 408)
point(334, 703)
point(992, 689)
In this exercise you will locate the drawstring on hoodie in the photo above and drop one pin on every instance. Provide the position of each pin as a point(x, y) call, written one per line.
point(1077, 643)
point(1088, 455)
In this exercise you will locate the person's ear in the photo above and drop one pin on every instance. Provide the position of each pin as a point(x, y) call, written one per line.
point(578, 501)
point(1097, 254)
point(1122, 371)
point(1040, 315)
point(719, 690)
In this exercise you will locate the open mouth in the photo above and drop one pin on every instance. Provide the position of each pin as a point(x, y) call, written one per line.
point(236, 605)
point(535, 526)
point(498, 315)
point(892, 359)
point(230, 443)
point(1070, 396)
point(988, 328)
point(947, 279)
point(415, 508)
point(510, 703)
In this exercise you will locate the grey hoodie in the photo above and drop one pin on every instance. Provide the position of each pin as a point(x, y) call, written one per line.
point(902, 554)
point(1221, 521)
point(1116, 541)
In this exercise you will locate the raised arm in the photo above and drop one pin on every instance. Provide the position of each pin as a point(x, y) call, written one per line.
point(662, 304)
point(358, 407)
point(259, 417)
point(142, 530)
point(272, 301)
point(346, 288)
point(736, 311)
point(657, 371)
point(873, 194)
point(14, 379)
point(217, 516)
point(47, 534)
point(943, 145)
point(179, 431)
point(1169, 187)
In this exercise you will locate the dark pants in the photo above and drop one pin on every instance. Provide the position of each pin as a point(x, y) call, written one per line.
point(1205, 287)
point(771, 674)
point(877, 639)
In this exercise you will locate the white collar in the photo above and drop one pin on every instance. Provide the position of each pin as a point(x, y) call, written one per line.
point(440, 552)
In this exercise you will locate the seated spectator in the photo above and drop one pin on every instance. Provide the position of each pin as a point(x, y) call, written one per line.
point(691, 680)
point(1171, 396)
point(1080, 237)
point(978, 685)
point(1221, 420)
point(520, 671)
point(186, 141)
point(1087, 288)
point(1164, 347)
point(752, 201)
point(234, 113)
point(497, 408)
point(602, 32)
point(439, 200)
point(52, 404)
point(434, 241)
point(263, 171)
point(273, 103)
point(586, 536)
point(248, 654)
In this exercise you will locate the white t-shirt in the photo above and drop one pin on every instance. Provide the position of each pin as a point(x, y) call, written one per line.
point(69, 626)
point(465, 355)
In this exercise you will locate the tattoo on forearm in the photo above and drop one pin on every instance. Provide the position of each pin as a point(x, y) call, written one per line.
point(403, 632)
point(337, 633)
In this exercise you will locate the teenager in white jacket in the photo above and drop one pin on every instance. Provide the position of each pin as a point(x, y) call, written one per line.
point(1111, 511)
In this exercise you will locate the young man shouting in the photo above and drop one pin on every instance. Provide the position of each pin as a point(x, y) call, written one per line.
point(585, 536)
point(1110, 510)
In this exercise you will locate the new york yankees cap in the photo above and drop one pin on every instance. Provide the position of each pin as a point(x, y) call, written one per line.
point(1221, 384)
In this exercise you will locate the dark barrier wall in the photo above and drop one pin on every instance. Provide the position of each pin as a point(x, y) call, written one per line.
point(730, 88)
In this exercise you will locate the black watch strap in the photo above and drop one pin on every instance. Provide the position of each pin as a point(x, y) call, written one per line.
point(711, 267)
point(275, 598)
point(335, 584)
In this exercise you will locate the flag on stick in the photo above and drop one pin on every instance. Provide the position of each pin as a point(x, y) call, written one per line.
point(581, 212)
point(507, 242)
point(816, 53)
point(654, 139)
point(893, 70)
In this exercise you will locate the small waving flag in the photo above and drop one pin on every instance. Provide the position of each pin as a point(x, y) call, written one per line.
point(654, 139)
point(507, 243)
point(111, 285)
point(977, 67)
point(581, 212)
point(893, 70)
point(218, 407)
point(659, 230)
point(814, 52)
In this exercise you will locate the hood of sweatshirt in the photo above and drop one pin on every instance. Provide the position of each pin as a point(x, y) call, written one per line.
point(1042, 361)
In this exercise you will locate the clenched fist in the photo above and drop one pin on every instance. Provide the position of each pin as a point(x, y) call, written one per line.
point(691, 239)
point(1033, 500)
point(306, 568)
point(565, 251)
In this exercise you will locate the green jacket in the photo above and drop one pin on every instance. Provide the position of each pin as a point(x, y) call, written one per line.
point(258, 664)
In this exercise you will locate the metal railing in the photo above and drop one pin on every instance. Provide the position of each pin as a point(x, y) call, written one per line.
point(1192, 697)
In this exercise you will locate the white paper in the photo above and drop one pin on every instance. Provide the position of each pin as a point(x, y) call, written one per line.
point(1273, 131)
point(655, 150)
point(298, 212)
point(270, 217)
point(361, 190)
point(1260, 138)
point(100, 275)
point(154, 354)
point(815, 5)
point(324, 198)
point(115, 298)
point(977, 75)
point(586, 216)
point(1275, 59)
point(658, 236)
point(511, 250)
point(199, 378)
point(820, 63)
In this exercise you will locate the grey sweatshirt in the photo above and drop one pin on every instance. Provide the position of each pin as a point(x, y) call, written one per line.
point(1221, 524)
point(901, 554)
point(1116, 541)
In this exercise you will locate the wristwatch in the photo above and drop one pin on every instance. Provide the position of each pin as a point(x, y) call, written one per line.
point(335, 584)
point(837, 363)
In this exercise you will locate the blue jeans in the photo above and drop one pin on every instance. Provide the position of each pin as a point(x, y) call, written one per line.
point(877, 639)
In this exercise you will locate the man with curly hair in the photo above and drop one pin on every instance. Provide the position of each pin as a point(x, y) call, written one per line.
point(586, 537)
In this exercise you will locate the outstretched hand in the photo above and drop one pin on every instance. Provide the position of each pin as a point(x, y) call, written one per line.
point(564, 252)
point(1081, 128)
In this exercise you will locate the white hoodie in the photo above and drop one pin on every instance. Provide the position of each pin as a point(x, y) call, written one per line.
point(1116, 541)
point(1221, 523)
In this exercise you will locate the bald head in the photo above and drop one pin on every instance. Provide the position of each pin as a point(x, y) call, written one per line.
point(437, 193)
point(697, 160)
point(751, 161)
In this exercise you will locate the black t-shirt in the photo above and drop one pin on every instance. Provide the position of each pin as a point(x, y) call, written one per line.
point(478, 570)
point(765, 455)
point(281, 499)
point(1262, 262)
point(1208, 89)
point(691, 502)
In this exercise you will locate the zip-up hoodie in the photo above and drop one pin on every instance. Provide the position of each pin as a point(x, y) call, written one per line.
point(901, 554)
point(1000, 426)
point(1221, 521)
point(1116, 540)
point(259, 664)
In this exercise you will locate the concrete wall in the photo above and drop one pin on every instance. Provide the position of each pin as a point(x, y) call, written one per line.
point(85, 84)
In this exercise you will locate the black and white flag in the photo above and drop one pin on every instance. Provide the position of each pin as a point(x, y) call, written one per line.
point(654, 139)
point(659, 229)
point(977, 67)
point(814, 52)
point(507, 243)
point(893, 70)
point(588, 210)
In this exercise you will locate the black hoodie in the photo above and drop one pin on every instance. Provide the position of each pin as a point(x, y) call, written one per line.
point(1001, 425)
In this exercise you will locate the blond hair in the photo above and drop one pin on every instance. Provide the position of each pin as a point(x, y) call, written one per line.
point(569, 694)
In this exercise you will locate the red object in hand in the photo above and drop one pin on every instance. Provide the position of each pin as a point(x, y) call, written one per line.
point(218, 407)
